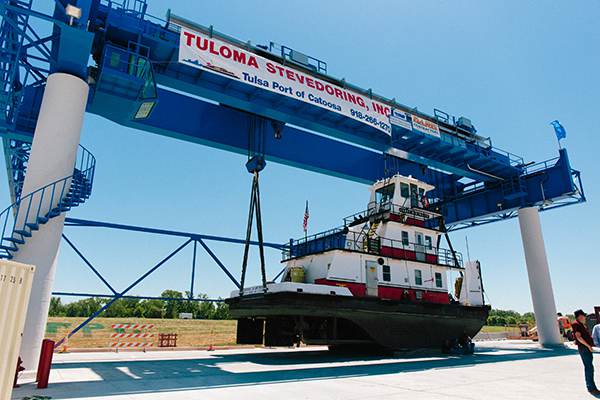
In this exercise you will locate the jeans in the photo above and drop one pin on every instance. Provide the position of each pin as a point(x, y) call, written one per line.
point(587, 358)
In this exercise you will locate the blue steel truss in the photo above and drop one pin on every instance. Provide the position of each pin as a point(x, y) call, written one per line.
point(114, 295)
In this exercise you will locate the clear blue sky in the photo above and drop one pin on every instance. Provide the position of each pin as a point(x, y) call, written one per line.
point(511, 66)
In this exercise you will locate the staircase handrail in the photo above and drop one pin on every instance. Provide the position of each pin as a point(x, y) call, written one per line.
point(86, 163)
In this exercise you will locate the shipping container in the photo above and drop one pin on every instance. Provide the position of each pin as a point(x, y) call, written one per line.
point(15, 288)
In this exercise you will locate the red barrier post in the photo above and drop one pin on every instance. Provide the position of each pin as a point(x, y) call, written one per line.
point(43, 371)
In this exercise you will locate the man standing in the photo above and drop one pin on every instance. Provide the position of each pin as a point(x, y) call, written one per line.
point(584, 345)
point(596, 334)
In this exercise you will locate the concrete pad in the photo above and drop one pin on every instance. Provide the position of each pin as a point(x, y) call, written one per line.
point(498, 370)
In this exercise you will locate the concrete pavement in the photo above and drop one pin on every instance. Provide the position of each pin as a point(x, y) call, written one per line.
point(498, 370)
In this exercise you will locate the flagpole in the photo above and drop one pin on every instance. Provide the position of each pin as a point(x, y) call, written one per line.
point(305, 222)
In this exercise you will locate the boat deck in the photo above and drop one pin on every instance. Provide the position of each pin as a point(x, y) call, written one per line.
point(498, 370)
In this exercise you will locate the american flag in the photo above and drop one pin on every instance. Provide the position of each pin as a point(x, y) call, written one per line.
point(306, 215)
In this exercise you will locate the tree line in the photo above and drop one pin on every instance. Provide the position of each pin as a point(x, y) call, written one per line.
point(152, 308)
point(509, 317)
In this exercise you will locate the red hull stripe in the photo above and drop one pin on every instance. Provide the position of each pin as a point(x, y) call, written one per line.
point(391, 292)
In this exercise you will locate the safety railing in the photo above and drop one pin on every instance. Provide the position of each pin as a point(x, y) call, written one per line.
point(413, 216)
point(128, 73)
point(513, 159)
point(420, 252)
point(28, 212)
point(133, 64)
point(315, 236)
point(385, 247)
point(541, 166)
point(137, 7)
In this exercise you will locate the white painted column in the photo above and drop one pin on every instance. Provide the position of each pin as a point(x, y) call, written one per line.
point(540, 283)
point(53, 155)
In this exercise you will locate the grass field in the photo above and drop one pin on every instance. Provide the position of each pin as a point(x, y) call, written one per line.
point(496, 329)
point(190, 333)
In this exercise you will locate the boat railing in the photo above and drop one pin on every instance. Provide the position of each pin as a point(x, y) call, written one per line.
point(315, 236)
point(376, 209)
point(339, 239)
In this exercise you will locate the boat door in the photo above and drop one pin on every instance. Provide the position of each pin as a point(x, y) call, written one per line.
point(371, 279)
point(420, 246)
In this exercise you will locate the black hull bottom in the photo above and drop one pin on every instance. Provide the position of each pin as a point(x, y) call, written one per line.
point(283, 319)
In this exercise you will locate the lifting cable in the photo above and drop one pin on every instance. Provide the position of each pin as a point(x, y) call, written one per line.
point(256, 163)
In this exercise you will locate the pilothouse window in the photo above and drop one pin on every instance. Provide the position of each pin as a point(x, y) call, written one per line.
point(384, 194)
point(404, 190)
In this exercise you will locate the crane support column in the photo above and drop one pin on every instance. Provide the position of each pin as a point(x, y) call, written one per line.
point(540, 283)
point(53, 155)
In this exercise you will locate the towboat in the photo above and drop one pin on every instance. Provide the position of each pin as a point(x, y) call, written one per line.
point(382, 279)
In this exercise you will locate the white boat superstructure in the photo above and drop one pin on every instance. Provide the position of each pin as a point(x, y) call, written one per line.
point(391, 250)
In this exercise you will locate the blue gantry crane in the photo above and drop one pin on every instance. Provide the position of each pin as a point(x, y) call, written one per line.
point(129, 67)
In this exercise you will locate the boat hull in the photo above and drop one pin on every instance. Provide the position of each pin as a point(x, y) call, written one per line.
point(279, 319)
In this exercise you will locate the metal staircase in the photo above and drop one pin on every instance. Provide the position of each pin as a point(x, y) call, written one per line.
point(25, 216)
point(371, 242)
point(13, 32)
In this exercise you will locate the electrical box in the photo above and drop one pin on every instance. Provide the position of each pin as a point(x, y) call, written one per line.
point(466, 124)
point(15, 288)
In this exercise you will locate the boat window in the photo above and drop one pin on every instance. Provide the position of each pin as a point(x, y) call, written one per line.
point(428, 242)
point(404, 190)
point(404, 238)
point(384, 194)
point(414, 195)
point(387, 273)
point(419, 237)
point(418, 277)
point(438, 280)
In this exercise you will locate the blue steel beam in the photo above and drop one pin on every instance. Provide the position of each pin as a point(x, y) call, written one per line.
point(221, 127)
point(547, 185)
point(193, 270)
point(219, 263)
point(162, 42)
point(77, 222)
point(190, 119)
